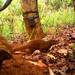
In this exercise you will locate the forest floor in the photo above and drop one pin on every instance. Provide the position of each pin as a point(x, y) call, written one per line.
point(58, 57)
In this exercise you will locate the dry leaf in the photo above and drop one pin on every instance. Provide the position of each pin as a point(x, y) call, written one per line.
point(51, 56)
point(70, 45)
point(18, 52)
point(35, 63)
point(41, 64)
point(62, 51)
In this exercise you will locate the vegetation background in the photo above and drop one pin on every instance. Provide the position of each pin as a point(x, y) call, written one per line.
point(54, 14)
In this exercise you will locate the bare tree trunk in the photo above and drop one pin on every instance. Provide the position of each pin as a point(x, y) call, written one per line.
point(74, 4)
point(31, 19)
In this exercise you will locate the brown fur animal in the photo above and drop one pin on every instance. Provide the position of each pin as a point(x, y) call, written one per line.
point(37, 44)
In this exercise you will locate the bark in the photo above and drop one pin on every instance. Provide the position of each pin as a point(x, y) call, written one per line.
point(36, 31)
point(74, 4)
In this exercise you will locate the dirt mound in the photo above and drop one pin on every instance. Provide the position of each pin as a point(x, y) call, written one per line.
point(19, 66)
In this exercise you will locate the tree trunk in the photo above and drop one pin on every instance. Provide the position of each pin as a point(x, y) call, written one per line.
point(74, 4)
point(34, 31)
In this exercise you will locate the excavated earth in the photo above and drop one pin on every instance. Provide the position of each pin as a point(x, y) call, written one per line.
point(18, 65)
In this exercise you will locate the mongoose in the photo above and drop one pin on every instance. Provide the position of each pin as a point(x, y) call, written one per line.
point(37, 44)
point(4, 56)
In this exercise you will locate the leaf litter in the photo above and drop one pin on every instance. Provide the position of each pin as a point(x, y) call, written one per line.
point(58, 60)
